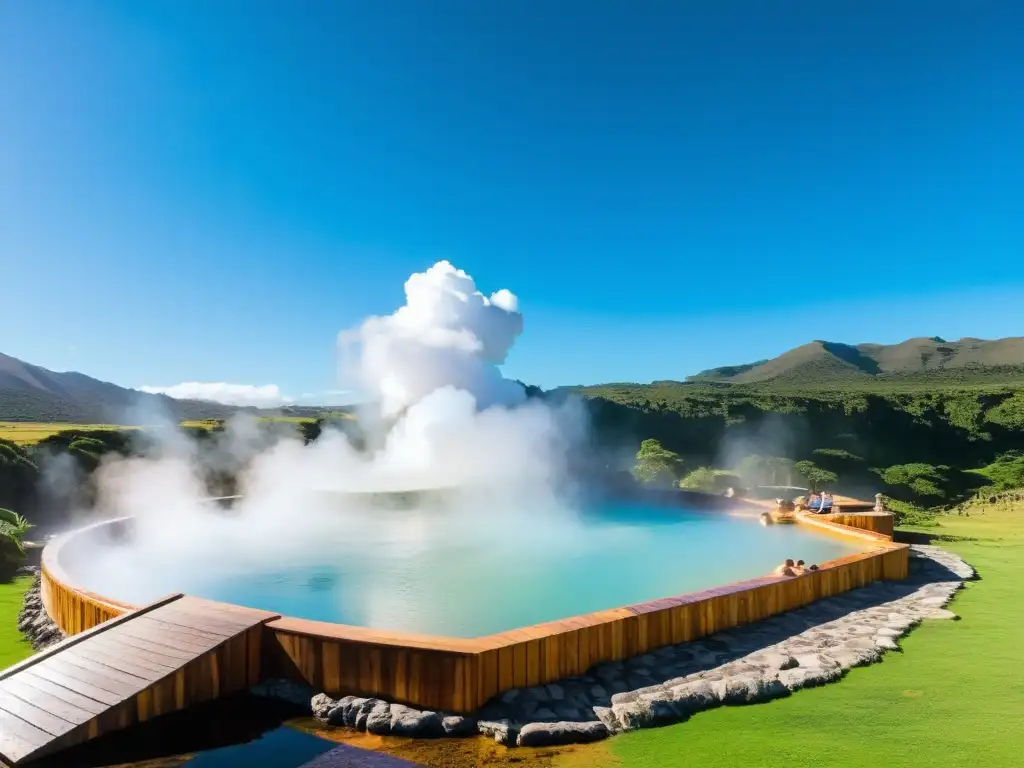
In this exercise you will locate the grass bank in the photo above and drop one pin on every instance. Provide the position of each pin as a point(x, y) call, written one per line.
point(953, 697)
point(13, 647)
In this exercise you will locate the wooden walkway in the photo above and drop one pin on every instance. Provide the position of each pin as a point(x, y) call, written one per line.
point(173, 654)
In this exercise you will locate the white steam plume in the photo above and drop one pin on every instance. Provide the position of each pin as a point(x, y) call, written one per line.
point(447, 334)
point(449, 420)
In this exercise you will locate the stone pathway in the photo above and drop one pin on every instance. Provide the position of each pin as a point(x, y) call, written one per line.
point(754, 663)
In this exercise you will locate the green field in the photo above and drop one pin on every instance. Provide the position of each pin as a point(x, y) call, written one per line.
point(31, 432)
point(13, 647)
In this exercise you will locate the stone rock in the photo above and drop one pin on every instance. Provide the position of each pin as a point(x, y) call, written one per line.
point(628, 696)
point(321, 705)
point(502, 731)
point(362, 716)
point(557, 734)
point(854, 657)
point(649, 711)
point(809, 677)
point(378, 719)
point(544, 714)
point(457, 726)
point(555, 692)
point(607, 716)
point(406, 721)
point(352, 710)
point(749, 689)
point(942, 614)
point(509, 696)
point(694, 697)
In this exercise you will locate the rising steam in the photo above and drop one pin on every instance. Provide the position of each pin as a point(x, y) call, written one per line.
point(442, 416)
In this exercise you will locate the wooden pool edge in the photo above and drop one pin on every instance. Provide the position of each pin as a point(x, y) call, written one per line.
point(460, 675)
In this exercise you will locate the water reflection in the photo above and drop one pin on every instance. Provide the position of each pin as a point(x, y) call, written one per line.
point(236, 731)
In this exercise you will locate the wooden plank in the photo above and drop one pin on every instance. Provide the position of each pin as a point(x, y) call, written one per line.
point(145, 638)
point(191, 634)
point(96, 675)
point(192, 619)
point(120, 658)
point(57, 704)
point(33, 715)
point(82, 637)
point(148, 654)
point(83, 688)
point(18, 738)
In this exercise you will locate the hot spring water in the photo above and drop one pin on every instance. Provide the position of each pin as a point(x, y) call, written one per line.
point(429, 572)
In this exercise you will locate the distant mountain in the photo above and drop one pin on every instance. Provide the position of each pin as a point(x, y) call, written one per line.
point(933, 358)
point(32, 393)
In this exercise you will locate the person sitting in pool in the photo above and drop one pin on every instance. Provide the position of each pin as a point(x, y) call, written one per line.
point(786, 569)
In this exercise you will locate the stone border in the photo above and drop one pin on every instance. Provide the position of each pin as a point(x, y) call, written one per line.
point(33, 620)
point(754, 663)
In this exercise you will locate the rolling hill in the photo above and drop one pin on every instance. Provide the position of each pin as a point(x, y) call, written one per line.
point(32, 393)
point(915, 360)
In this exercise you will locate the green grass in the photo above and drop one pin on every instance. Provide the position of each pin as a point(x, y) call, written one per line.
point(13, 647)
point(954, 697)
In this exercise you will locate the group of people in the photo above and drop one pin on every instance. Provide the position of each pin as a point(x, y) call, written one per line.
point(790, 568)
point(820, 503)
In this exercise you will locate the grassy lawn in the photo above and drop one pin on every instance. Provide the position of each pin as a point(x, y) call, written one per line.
point(955, 697)
point(13, 647)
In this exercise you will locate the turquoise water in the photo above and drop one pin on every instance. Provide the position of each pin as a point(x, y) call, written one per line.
point(472, 576)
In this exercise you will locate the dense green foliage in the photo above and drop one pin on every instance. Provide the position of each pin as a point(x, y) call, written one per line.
point(954, 439)
point(655, 465)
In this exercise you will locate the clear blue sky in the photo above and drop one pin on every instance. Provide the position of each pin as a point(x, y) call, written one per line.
point(210, 190)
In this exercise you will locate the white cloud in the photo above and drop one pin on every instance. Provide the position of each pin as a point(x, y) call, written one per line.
point(267, 396)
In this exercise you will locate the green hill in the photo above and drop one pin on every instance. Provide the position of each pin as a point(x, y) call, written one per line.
point(33, 393)
point(921, 361)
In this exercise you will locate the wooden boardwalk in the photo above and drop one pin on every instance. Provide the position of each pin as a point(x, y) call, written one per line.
point(173, 654)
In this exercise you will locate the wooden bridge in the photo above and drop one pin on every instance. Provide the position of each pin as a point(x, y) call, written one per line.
point(172, 654)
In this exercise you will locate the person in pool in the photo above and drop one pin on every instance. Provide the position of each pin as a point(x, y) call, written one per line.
point(788, 568)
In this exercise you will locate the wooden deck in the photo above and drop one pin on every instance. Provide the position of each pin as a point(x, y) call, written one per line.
point(162, 658)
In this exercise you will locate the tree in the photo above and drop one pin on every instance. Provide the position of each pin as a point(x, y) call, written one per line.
point(916, 482)
point(656, 465)
point(700, 479)
point(815, 475)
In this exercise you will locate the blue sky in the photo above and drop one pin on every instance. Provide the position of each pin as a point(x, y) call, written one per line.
point(209, 190)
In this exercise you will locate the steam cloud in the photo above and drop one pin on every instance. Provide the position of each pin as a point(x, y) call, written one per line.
point(447, 334)
point(443, 417)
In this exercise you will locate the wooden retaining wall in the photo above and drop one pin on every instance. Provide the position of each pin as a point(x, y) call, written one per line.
point(460, 675)
point(878, 522)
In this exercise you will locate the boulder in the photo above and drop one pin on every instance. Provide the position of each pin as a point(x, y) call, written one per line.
point(321, 705)
point(693, 697)
point(413, 723)
point(378, 719)
point(749, 689)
